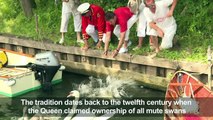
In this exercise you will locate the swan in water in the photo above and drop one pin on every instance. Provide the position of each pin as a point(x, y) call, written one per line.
point(91, 116)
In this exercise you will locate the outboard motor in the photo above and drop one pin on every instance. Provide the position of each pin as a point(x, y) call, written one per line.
point(45, 67)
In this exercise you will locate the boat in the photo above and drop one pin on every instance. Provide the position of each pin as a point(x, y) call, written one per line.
point(190, 99)
point(21, 73)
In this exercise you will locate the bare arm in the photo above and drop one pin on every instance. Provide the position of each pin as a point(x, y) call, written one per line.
point(121, 41)
point(159, 30)
point(174, 3)
point(108, 38)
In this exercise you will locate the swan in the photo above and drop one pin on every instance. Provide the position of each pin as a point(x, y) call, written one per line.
point(91, 116)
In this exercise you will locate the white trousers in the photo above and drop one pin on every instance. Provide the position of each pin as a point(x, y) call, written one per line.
point(169, 34)
point(130, 23)
point(141, 27)
point(65, 20)
point(91, 31)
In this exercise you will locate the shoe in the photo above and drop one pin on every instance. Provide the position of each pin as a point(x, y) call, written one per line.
point(61, 41)
point(136, 48)
point(80, 41)
point(123, 50)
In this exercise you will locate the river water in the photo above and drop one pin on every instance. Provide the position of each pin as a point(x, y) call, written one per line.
point(89, 87)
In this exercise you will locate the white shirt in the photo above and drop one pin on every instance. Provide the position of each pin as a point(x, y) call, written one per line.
point(159, 17)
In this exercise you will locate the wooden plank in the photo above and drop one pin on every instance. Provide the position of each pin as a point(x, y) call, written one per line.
point(71, 57)
point(134, 67)
point(92, 60)
point(151, 70)
point(19, 49)
point(115, 64)
point(31, 51)
point(100, 62)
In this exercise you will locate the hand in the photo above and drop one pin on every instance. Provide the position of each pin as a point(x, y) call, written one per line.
point(105, 53)
point(160, 32)
point(115, 53)
point(99, 44)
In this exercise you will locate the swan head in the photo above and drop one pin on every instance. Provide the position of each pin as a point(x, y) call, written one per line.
point(74, 93)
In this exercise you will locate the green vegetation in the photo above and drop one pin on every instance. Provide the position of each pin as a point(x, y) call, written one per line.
point(194, 20)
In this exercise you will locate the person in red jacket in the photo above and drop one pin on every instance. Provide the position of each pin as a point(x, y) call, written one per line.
point(120, 21)
point(93, 23)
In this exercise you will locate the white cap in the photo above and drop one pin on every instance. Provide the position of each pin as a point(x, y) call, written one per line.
point(83, 8)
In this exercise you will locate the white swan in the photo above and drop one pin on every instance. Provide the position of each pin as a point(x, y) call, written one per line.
point(91, 116)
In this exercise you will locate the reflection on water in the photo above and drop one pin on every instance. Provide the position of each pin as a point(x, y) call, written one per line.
point(88, 87)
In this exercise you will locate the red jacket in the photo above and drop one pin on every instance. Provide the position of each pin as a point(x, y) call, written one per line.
point(97, 19)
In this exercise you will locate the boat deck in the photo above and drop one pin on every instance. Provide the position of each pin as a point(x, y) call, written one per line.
point(11, 72)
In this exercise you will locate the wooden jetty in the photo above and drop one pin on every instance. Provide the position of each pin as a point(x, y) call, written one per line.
point(153, 72)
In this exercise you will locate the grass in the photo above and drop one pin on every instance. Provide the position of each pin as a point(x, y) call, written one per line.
point(194, 33)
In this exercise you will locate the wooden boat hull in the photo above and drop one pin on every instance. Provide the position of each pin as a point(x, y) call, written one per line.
point(196, 94)
point(17, 81)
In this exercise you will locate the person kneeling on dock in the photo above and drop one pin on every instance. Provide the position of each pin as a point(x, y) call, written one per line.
point(160, 22)
point(93, 23)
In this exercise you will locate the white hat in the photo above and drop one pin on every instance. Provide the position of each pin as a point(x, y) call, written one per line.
point(83, 8)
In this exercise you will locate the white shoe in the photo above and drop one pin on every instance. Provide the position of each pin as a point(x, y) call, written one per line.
point(80, 41)
point(61, 41)
point(123, 50)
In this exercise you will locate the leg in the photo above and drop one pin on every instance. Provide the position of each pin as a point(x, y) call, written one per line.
point(77, 25)
point(92, 32)
point(167, 41)
point(141, 29)
point(140, 41)
point(86, 45)
point(155, 43)
point(64, 25)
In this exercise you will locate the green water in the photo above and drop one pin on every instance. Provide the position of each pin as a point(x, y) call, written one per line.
point(10, 108)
